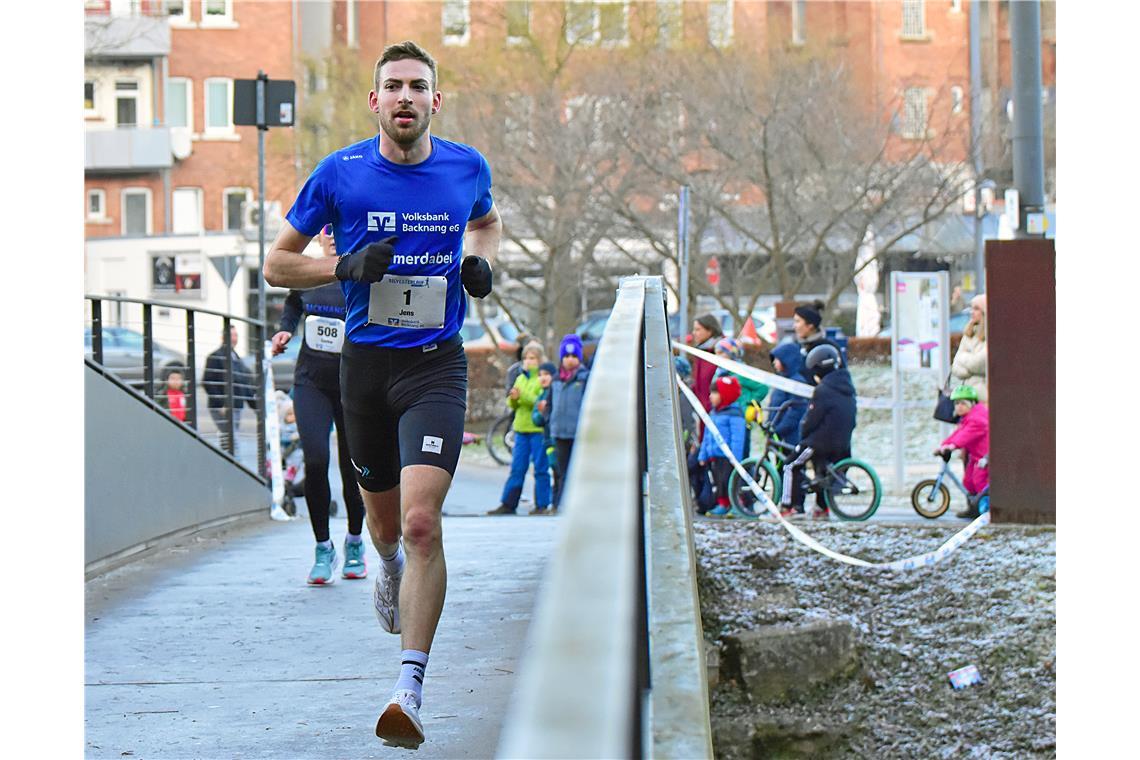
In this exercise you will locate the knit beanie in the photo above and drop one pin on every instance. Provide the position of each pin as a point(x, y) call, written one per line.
point(810, 313)
point(732, 347)
point(571, 344)
point(729, 389)
point(548, 367)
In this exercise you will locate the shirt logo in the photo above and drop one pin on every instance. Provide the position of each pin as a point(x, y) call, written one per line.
point(432, 444)
point(381, 221)
point(349, 158)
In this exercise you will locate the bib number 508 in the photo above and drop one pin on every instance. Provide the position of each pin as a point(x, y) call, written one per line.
point(327, 332)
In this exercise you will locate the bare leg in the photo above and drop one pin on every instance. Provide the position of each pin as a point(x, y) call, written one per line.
point(382, 515)
point(422, 591)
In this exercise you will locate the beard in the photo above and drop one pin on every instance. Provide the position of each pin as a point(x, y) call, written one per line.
point(405, 135)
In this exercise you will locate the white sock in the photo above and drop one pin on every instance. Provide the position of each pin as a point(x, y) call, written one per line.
point(392, 557)
point(351, 539)
point(412, 667)
point(325, 544)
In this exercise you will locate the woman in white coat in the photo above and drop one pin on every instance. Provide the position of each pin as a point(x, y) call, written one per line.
point(969, 367)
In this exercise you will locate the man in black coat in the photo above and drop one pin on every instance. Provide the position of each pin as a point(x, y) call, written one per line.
point(214, 380)
point(825, 432)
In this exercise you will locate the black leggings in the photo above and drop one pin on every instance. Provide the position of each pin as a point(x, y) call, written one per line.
point(562, 449)
point(317, 409)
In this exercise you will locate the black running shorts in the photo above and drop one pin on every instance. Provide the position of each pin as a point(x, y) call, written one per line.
point(402, 406)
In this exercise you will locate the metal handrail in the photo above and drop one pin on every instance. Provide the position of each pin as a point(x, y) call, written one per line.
point(615, 652)
point(227, 427)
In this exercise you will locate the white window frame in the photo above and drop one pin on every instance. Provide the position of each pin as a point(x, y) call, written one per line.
point(351, 38)
point(914, 12)
point(225, 20)
point(199, 223)
point(915, 102)
point(127, 95)
point(189, 103)
point(514, 39)
point(145, 191)
point(101, 216)
point(180, 19)
point(592, 38)
point(725, 39)
point(226, 193)
point(955, 6)
point(624, 40)
point(94, 109)
point(957, 99)
point(670, 23)
point(209, 131)
point(461, 7)
point(799, 22)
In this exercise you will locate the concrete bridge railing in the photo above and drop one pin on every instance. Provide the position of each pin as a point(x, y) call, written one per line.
point(615, 656)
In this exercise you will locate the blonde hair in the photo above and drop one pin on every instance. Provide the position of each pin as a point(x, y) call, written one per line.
point(534, 347)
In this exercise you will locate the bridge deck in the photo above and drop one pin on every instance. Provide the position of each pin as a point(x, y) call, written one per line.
point(218, 648)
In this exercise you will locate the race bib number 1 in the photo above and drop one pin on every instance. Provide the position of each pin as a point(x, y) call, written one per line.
point(408, 301)
point(324, 334)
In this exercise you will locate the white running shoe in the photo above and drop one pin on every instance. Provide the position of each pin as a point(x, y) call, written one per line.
point(399, 725)
point(386, 598)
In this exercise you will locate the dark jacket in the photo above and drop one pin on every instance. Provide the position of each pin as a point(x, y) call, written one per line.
point(542, 419)
point(787, 423)
point(214, 380)
point(818, 339)
point(567, 406)
point(830, 418)
point(316, 368)
point(729, 420)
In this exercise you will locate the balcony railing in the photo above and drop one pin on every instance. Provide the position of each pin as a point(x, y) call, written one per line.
point(127, 149)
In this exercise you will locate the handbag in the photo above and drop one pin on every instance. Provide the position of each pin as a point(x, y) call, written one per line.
point(944, 406)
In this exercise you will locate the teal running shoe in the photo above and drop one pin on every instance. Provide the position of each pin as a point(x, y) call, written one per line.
point(719, 511)
point(354, 564)
point(324, 566)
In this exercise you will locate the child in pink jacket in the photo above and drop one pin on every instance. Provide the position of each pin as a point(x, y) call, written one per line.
point(973, 437)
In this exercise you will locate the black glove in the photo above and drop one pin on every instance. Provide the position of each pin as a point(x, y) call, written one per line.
point(475, 274)
point(368, 264)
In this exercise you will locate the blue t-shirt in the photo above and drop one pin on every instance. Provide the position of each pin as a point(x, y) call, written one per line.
point(427, 205)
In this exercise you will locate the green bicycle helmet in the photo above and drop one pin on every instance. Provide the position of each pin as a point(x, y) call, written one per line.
point(964, 393)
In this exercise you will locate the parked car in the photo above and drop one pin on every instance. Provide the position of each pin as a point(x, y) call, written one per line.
point(958, 322)
point(285, 362)
point(503, 335)
point(123, 355)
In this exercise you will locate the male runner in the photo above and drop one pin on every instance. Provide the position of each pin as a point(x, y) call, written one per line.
point(405, 204)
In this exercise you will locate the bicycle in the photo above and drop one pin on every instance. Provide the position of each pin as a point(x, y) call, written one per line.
point(931, 498)
point(501, 438)
point(851, 488)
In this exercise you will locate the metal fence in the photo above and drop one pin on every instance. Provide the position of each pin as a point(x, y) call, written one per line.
point(139, 344)
point(615, 658)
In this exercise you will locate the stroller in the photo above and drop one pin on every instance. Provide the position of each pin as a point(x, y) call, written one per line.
point(293, 457)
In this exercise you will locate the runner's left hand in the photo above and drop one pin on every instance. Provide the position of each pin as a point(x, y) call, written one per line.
point(475, 274)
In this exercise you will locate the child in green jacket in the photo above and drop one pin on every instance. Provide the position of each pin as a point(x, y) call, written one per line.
point(529, 447)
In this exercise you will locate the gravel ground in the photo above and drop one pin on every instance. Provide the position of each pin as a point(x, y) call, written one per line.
point(992, 604)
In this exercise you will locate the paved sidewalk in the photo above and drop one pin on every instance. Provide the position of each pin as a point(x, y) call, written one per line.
point(218, 649)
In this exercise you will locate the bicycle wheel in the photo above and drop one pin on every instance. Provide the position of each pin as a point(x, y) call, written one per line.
point(741, 496)
point(501, 439)
point(852, 490)
point(927, 501)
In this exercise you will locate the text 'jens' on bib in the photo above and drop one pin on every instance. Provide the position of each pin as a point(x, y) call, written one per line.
point(324, 333)
point(412, 301)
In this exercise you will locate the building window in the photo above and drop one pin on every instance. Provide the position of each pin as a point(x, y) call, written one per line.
point(179, 111)
point(219, 106)
point(914, 18)
point(518, 21)
point(581, 22)
point(89, 96)
point(456, 22)
point(186, 210)
point(955, 6)
point(669, 23)
point(914, 113)
point(126, 102)
point(219, 12)
point(720, 22)
point(175, 10)
point(956, 98)
point(96, 205)
point(613, 22)
point(799, 22)
point(232, 200)
point(136, 211)
point(352, 23)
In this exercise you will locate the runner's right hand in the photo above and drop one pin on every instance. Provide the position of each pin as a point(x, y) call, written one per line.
point(369, 264)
